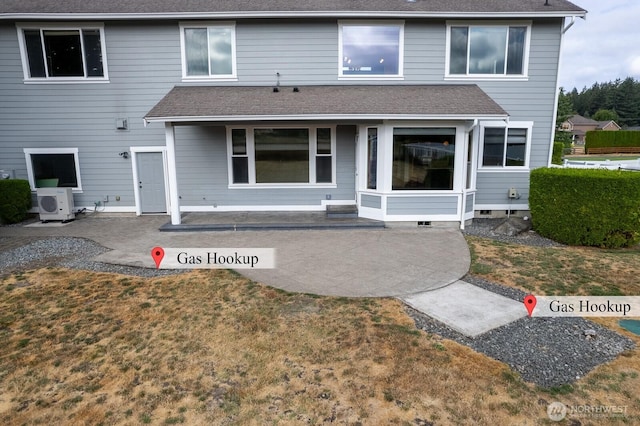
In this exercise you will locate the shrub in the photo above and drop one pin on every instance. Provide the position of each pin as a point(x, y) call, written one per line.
point(591, 207)
point(602, 139)
point(15, 200)
point(558, 150)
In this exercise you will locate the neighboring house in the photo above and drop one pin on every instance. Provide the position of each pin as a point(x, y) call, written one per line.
point(579, 126)
point(411, 110)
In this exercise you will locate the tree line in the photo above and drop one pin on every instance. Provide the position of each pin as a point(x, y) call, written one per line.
point(617, 100)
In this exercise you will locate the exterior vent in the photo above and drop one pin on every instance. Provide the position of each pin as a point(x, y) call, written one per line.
point(55, 204)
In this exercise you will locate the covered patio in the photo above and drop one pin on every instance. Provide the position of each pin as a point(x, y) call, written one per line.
point(375, 117)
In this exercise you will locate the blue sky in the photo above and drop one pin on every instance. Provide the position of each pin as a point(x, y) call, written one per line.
point(604, 47)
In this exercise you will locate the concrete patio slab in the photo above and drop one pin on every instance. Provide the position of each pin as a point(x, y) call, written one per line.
point(334, 262)
point(466, 308)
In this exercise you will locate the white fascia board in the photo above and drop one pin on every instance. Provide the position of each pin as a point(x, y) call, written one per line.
point(328, 117)
point(284, 14)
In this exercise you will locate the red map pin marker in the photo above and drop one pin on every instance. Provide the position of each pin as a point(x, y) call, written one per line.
point(530, 303)
point(157, 253)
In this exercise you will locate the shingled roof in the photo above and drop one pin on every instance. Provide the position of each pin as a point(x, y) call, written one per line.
point(119, 9)
point(234, 103)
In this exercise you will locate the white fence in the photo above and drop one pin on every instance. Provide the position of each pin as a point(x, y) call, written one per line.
point(607, 164)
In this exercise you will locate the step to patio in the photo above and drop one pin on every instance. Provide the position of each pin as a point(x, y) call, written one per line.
point(342, 211)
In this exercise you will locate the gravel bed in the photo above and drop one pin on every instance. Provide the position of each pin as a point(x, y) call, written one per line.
point(546, 351)
point(484, 228)
point(75, 253)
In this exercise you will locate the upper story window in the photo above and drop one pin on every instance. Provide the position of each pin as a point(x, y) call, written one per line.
point(506, 147)
point(371, 49)
point(208, 50)
point(488, 50)
point(54, 52)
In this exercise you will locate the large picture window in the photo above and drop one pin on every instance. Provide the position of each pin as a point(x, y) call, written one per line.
point(53, 168)
point(63, 53)
point(208, 51)
point(371, 50)
point(282, 156)
point(490, 50)
point(506, 147)
point(423, 158)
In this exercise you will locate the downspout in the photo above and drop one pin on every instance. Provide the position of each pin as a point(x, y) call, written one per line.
point(555, 105)
point(573, 21)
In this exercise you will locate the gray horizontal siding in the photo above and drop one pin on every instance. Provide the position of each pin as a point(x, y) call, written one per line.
point(469, 203)
point(142, 68)
point(534, 99)
point(201, 156)
point(144, 63)
point(371, 201)
point(495, 186)
point(422, 205)
point(302, 52)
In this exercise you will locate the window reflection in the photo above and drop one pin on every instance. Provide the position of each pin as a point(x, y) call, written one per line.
point(371, 49)
point(489, 50)
point(423, 158)
point(486, 53)
point(209, 51)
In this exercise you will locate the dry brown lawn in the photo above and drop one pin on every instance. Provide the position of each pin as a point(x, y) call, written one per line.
point(211, 347)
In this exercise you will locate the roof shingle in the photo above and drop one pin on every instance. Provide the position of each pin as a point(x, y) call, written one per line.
point(242, 7)
point(220, 103)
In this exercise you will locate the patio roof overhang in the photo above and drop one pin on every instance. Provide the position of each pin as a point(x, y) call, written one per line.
point(184, 104)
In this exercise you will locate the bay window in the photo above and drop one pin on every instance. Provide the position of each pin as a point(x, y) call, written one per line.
point(423, 158)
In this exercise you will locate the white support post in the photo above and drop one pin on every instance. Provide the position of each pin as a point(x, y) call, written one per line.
point(173, 176)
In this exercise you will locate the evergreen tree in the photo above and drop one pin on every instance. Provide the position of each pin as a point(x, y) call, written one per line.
point(621, 96)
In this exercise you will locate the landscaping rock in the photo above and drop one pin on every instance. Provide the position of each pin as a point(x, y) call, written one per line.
point(513, 226)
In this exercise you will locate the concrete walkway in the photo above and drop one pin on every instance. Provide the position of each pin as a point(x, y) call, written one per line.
point(392, 262)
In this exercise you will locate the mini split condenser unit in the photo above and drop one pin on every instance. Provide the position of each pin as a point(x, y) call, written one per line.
point(55, 204)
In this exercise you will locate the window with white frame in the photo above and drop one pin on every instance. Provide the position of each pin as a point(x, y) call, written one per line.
point(371, 49)
point(506, 147)
point(423, 158)
point(55, 52)
point(208, 50)
point(281, 156)
point(53, 167)
point(488, 50)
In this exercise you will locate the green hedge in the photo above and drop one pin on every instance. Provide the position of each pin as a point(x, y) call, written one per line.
point(558, 150)
point(603, 139)
point(591, 207)
point(15, 200)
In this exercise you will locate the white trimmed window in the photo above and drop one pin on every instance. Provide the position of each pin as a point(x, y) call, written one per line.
point(486, 50)
point(60, 52)
point(208, 51)
point(506, 147)
point(53, 167)
point(282, 156)
point(371, 50)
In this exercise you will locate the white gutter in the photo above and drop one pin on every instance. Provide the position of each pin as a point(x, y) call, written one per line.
point(289, 14)
point(335, 117)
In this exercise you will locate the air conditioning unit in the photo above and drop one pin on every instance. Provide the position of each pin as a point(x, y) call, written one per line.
point(55, 204)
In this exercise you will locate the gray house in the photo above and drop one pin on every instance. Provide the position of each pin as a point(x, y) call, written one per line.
point(412, 110)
